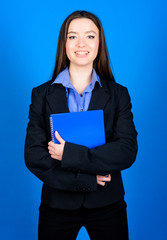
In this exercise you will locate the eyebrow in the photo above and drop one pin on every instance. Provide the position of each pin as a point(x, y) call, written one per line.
point(85, 32)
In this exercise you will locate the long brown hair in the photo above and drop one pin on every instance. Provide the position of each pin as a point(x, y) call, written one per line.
point(101, 63)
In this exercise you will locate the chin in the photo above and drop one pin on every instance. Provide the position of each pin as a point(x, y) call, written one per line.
point(82, 63)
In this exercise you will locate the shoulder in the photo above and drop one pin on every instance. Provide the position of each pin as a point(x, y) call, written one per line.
point(43, 87)
point(118, 93)
point(113, 87)
point(38, 96)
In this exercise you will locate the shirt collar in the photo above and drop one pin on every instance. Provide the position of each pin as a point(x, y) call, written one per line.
point(64, 79)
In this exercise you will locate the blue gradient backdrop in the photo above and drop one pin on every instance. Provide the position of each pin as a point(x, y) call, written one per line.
point(136, 34)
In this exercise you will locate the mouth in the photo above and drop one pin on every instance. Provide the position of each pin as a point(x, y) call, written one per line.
point(81, 53)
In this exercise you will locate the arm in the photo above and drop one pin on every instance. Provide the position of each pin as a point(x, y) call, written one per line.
point(117, 154)
point(56, 152)
point(38, 159)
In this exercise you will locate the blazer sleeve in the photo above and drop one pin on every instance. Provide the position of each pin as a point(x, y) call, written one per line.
point(37, 157)
point(117, 154)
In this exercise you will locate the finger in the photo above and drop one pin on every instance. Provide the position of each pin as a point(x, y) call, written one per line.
point(103, 178)
point(100, 177)
point(106, 178)
point(51, 152)
point(51, 149)
point(101, 183)
point(58, 137)
point(51, 143)
point(53, 146)
point(54, 157)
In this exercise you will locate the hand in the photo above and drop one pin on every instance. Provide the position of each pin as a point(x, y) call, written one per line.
point(56, 150)
point(101, 180)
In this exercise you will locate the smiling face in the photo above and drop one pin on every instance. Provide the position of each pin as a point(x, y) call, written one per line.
point(82, 42)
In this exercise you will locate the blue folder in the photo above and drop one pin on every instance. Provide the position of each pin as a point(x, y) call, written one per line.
point(83, 128)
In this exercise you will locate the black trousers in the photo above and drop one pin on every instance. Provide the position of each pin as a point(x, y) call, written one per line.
point(106, 223)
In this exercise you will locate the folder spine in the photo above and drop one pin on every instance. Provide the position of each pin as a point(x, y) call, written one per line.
point(51, 127)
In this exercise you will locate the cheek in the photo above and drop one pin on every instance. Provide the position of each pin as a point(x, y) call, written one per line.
point(69, 48)
point(95, 47)
point(69, 45)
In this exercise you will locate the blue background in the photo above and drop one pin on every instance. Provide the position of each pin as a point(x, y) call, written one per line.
point(136, 35)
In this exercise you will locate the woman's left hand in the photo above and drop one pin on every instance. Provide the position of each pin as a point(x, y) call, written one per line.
point(56, 150)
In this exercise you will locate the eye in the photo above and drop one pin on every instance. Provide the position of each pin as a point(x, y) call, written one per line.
point(72, 37)
point(91, 36)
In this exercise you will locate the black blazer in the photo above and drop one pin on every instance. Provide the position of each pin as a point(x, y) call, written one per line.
point(72, 182)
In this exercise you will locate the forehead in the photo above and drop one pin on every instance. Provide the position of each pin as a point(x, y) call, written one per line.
point(82, 25)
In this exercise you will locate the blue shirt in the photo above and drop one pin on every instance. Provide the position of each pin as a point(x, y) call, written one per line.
point(76, 102)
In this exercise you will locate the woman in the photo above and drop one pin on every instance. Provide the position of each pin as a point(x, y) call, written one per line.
point(81, 186)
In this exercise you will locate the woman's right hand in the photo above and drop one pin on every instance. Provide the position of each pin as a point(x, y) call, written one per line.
point(101, 180)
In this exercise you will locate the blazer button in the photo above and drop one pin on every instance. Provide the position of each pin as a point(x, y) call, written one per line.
point(81, 110)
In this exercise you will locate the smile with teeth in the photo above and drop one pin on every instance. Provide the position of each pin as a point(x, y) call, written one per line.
point(81, 53)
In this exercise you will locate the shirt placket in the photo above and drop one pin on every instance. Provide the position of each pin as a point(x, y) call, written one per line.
point(81, 101)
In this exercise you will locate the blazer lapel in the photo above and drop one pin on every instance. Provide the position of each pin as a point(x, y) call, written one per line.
point(57, 99)
point(99, 97)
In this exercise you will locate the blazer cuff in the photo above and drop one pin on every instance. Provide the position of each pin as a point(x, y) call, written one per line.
point(72, 156)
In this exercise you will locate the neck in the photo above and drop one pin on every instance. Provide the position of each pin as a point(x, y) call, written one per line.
point(80, 76)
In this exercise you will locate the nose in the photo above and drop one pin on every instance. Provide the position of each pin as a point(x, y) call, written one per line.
point(81, 42)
